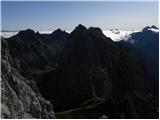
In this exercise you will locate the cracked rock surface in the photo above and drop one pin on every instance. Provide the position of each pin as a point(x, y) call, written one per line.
point(20, 97)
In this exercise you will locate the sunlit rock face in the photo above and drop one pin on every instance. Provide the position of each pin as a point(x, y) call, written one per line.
point(20, 97)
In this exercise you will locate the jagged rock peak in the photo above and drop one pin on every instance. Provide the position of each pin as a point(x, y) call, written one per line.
point(149, 28)
point(154, 27)
point(95, 29)
point(59, 34)
point(38, 33)
point(80, 28)
point(57, 31)
point(27, 32)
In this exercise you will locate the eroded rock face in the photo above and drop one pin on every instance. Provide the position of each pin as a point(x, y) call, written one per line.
point(20, 97)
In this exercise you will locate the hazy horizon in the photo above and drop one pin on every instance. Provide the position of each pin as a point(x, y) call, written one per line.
point(51, 15)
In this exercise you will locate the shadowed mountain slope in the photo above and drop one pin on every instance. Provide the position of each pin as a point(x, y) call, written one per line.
point(93, 65)
point(35, 53)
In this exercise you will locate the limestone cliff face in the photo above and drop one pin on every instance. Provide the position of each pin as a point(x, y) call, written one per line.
point(20, 97)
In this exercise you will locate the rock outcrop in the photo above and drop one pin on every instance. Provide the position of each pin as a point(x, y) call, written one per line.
point(20, 97)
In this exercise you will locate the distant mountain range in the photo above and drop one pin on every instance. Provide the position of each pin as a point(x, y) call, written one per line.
point(115, 35)
point(83, 73)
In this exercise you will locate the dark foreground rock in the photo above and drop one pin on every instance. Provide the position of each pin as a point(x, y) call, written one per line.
point(20, 97)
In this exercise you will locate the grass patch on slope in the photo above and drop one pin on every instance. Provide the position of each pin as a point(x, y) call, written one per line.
point(86, 110)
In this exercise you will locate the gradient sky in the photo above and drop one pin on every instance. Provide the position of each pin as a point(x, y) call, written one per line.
point(44, 16)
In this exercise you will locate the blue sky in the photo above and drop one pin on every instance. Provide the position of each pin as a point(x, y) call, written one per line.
point(43, 15)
